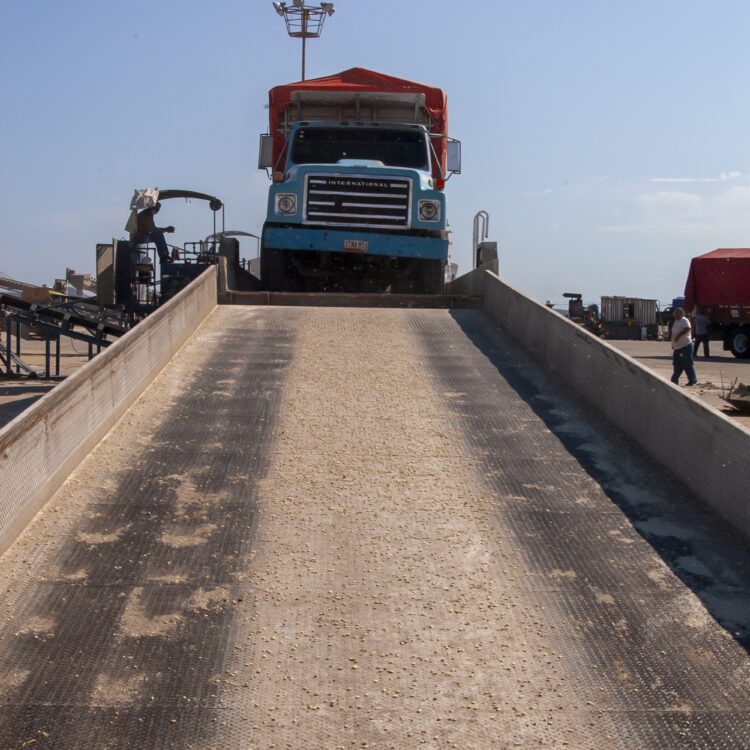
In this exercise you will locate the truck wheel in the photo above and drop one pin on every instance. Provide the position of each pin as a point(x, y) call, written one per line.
point(740, 344)
point(433, 277)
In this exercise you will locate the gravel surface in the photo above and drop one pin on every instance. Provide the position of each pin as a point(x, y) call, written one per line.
point(397, 602)
point(385, 613)
point(339, 528)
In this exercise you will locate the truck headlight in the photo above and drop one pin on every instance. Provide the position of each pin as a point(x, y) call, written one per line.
point(285, 203)
point(429, 210)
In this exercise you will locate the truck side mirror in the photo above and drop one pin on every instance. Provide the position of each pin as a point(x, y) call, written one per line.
point(453, 157)
point(265, 155)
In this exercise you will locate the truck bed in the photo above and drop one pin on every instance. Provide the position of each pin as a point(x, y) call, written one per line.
point(327, 527)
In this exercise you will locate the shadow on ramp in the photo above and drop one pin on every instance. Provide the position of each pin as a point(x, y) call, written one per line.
point(707, 556)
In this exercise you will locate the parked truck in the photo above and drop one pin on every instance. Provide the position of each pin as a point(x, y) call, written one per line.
point(719, 284)
point(359, 162)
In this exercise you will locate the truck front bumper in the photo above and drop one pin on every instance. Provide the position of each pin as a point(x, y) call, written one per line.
point(427, 244)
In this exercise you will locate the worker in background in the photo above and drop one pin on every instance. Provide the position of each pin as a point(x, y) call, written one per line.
point(147, 231)
point(682, 348)
point(702, 327)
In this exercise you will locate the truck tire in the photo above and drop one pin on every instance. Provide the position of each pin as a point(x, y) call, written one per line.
point(433, 277)
point(740, 342)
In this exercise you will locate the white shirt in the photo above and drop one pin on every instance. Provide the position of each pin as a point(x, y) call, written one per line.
point(683, 324)
point(701, 324)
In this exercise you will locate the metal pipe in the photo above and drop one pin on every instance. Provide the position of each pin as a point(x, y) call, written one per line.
point(484, 218)
point(18, 349)
point(304, 37)
point(8, 324)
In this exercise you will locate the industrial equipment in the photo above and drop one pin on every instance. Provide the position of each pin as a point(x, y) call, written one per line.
point(130, 276)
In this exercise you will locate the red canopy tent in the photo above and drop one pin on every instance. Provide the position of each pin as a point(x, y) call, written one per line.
point(361, 80)
point(721, 277)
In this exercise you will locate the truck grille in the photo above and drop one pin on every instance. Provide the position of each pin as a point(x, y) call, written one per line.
point(354, 200)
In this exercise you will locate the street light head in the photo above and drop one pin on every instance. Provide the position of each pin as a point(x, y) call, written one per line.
point(303, 21)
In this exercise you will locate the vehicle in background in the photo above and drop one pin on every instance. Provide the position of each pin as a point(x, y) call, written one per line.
point(359, 162)
point(718, 284)
point(666, 314)
point(587, 316)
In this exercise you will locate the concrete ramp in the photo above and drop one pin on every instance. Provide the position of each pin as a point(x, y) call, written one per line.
point(327, 527)
point(701, 446)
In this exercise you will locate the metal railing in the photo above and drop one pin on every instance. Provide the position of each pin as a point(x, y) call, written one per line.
point(481, 232)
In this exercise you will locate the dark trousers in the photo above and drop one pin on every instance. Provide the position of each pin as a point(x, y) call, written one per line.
point(161, 244)
point(682, 361)
point(702, 340)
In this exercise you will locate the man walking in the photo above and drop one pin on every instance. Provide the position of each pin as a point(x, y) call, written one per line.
point(682, 348)
point(702, 330)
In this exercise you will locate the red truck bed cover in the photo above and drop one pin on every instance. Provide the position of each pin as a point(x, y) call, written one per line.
point(360, 79)
point(721, 277)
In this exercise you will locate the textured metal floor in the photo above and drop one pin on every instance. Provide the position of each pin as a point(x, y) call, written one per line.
point(358, 528)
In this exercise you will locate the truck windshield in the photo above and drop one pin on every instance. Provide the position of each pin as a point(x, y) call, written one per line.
point(394, 147)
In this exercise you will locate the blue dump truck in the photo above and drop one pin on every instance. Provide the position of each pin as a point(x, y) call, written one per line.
point(359, 162)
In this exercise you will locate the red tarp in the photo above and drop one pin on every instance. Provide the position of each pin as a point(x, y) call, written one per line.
point(361, 79)
point(721, 277)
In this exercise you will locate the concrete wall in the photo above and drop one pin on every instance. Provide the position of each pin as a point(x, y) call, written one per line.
point(709, 452)
point(40, 448)
point(43, 445)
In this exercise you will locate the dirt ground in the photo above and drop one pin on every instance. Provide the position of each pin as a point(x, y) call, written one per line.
point(18, 393)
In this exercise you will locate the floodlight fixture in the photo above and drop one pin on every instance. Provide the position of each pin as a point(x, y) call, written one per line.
point(304, 21)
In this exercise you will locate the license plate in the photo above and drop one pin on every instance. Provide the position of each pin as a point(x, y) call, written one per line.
point(356, 246)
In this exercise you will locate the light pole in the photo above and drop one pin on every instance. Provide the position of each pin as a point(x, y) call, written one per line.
point(304, 21)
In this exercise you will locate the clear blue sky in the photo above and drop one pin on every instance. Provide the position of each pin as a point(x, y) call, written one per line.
point(607, 139)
